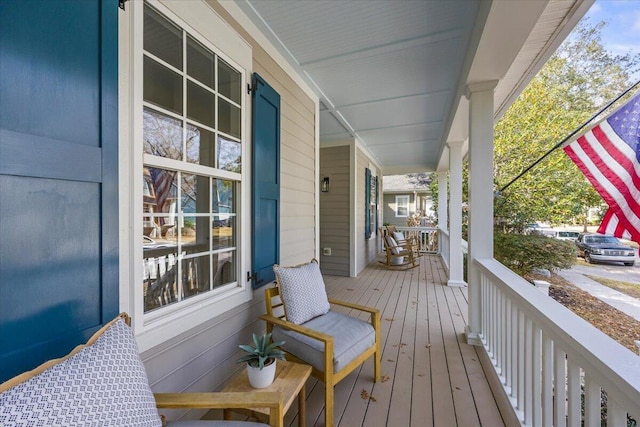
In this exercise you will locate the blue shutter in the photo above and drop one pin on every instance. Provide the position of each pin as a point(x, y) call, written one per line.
point(265, 248)
point(367, 203)
point(58, 177)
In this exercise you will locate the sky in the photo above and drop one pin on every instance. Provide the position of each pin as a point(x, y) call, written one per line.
point(621, 35)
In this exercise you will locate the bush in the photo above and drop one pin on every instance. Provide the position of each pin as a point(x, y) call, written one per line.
point(524, 253)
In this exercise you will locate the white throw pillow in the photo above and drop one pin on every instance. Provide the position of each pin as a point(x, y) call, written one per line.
point(104, 384)
point(302, 291)
point(393, 245)
point(399, 237)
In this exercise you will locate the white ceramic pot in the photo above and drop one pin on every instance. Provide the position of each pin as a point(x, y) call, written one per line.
point(261, 378)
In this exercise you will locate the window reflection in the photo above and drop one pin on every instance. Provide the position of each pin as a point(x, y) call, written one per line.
point(229, 155)
point(162, 135)
point(200, 146)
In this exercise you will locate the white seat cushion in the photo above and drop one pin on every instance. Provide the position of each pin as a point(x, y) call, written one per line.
point(351, 337)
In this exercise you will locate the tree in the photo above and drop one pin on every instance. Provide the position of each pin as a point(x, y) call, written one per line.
point(580, 77)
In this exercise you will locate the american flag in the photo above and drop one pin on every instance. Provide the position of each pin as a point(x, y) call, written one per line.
point(162, 183)
point(609, 156)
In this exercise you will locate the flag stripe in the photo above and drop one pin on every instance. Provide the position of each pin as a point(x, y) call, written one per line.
point(608, 164)
point(609, 192)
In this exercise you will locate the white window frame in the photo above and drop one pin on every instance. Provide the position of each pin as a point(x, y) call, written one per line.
point(205, 26)
point(402, 199)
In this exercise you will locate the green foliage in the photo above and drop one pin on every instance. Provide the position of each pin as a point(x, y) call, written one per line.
point(524, 253)
point(578, 79)
point(261, 351)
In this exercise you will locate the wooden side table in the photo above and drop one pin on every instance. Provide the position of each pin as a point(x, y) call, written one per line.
point(290, 381)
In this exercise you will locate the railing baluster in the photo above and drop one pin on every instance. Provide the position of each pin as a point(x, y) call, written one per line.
point(537, 375)
point(499, 332)
point(591, 402)
point(616, 415)
point(560, 382)
point(528, 372)
point(508, 342)
point(547, 380)
point(521, 369)
point(574, 393)
point(515, 380)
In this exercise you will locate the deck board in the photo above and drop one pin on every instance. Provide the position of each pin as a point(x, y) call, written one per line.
point(432, 377)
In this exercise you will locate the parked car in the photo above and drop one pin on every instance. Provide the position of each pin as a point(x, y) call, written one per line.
point(598, 247)
point(566, 235)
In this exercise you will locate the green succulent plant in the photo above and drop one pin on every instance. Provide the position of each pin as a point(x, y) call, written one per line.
point(261, 351)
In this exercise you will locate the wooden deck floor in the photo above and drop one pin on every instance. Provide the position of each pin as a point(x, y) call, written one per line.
point(431, 377)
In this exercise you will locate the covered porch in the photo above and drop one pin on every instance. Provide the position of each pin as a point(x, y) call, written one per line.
point(430, 375)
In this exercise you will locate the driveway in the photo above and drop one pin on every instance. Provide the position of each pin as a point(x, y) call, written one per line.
point(611, 271)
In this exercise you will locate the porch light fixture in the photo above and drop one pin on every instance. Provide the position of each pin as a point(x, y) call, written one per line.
point(324, 186)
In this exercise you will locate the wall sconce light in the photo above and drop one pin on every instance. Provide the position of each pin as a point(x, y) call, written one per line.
point(324, 186)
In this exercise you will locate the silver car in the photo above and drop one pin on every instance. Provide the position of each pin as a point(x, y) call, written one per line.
point(598, 247)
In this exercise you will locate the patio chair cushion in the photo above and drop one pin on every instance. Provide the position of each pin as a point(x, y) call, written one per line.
point(104, 383)
point(393, 245)
point(214, 423)
point(351, 337)
point(399, 237)
point(303, 292)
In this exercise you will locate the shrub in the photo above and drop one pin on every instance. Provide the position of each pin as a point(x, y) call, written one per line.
point(524, 253)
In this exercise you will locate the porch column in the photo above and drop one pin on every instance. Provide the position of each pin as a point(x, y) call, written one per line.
point(480, 97)
point(443, 193)
point(456, 277)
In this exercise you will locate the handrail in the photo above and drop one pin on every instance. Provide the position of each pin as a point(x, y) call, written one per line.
point(536, 345)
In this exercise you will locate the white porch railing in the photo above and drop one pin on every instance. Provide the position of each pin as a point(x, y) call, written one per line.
point(426, 236)
point(443, 246)
point(549, 360)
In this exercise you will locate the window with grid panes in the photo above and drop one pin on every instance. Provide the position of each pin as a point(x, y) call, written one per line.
point(192, 140)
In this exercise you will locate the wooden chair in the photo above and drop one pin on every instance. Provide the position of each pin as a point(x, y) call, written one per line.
point(398, 255)
point(324, 371)
point(411, 236)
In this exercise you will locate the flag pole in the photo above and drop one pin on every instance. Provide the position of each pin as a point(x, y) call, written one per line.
point(568, 137)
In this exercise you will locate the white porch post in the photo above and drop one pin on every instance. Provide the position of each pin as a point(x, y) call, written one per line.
point(480, 97)
point(443, 194)
point(456, 277)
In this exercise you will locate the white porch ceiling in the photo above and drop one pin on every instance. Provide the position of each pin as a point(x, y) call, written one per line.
point(391, 73)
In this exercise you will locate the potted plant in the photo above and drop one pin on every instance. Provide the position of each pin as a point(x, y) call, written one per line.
point(261, 360)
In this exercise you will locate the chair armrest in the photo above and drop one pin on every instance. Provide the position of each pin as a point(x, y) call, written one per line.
point(354, 306)
point(226, 400)
point(297, 328)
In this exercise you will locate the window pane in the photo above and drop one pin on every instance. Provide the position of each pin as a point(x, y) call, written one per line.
point(224, 268)
point(229, 155)
point(162, 87)
point(195, 275)
point(194, 194)
point(200, 104)
point(200, 146)
point(162, 38)
point(228, 118)
point(223, 197)
point(200, 63)
point(162, 135)
point(229, 82)
point(193, 234)
point(223, 232)
point(162, 198)
point(160, 282)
